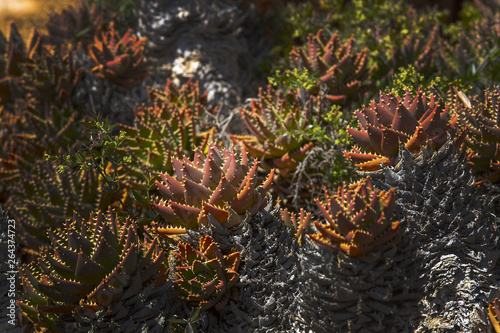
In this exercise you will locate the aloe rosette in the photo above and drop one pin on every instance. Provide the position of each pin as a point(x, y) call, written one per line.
point(219, 184)
point(171, 127)
point(119, 59)
point(415, 122)
point(278, 125)
point(89, 264)
point(205, 275)
point(482, 122)
point(357, 219)
point(344, 72)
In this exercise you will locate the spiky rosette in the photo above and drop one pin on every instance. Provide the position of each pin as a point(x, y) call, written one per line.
point(44, 198)
point(30, 133)
point(415, 50)
point(172, 127)
point(186, 96)
point(279, 125)
point(412, 121)
point(344, 72)
point(357, 220)
point(90, 264)
point(482, 120)
point(218, 184)
point(205, 275)
point(119, 59)
point(74, 24)
point(52, 77)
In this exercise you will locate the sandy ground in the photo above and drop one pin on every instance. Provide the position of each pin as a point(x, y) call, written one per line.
point(29, 13)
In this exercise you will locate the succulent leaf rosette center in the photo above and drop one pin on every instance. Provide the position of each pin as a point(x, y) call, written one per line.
point(205, 274)
point(357, 220)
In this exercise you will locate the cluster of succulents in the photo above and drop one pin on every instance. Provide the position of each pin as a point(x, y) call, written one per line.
point(74, 24)
point(170, 128)
point(190, 216)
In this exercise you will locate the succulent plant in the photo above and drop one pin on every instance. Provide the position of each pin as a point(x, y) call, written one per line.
point(349, 265)
point(52, 77)
point(44, 199)
point(13, 55)
point(74, 24)
point(119, 59)
point(415, 50)
point(279, 126)
point(299, 225)
point(344, 72)
point(263, 302)
point(205, 274)
point(469, 56)
point(218, 184)
point(357, 220)
point(412, 121)
point(170, 128)
point(494, 313)
point(31, 132)
point(482, 122)
point(453, 240)
point(90, 264)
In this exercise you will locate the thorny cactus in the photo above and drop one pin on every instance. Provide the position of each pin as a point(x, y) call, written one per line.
point(172, 127)
point(358, 271)
point(453, 238)
point(218, 184)
point(392, 120)
point(357, 220)
point(205, 275)
point(90, 264)
point(263, 302)
point(119, 59)
point(340, 69)
point(279, 126)
point(482, 121)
